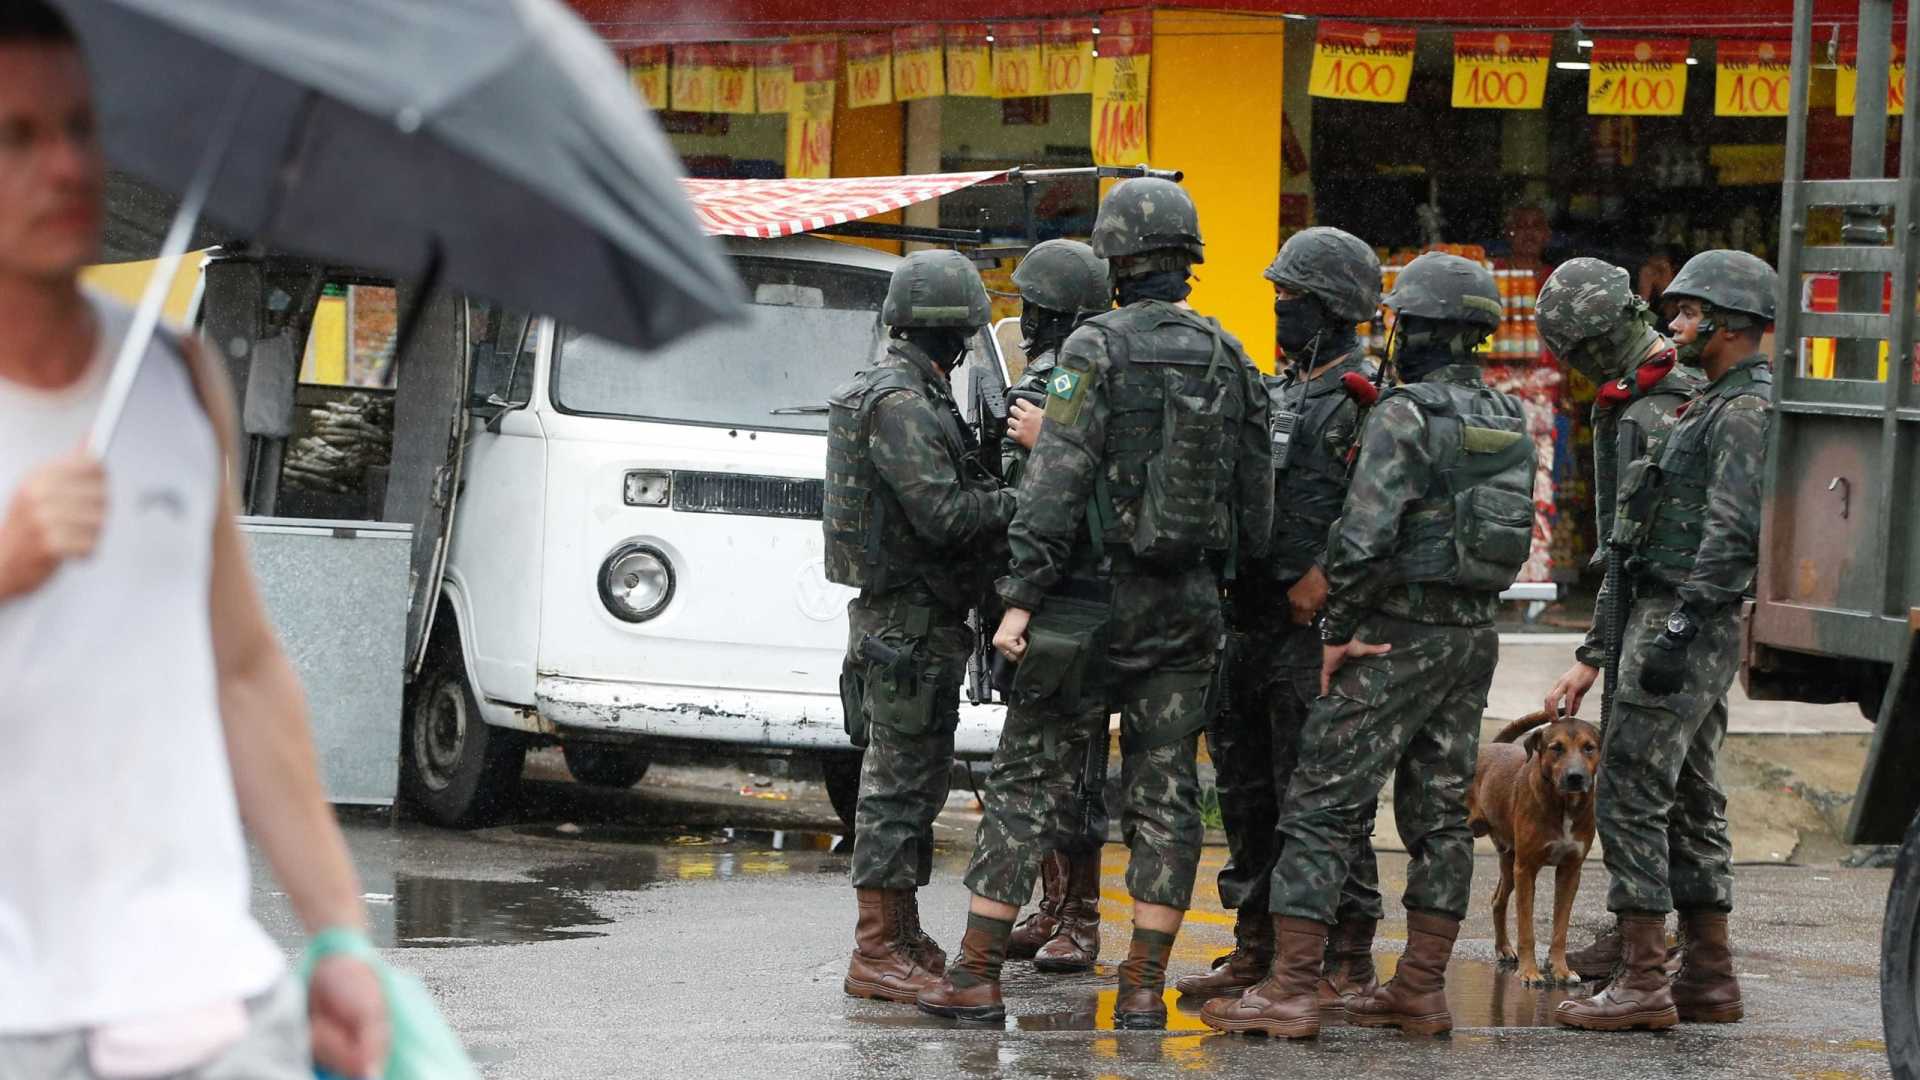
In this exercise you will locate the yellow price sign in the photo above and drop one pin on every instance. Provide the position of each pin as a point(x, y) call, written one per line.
point(1751, 78)
point(733, 85)
point(1120, 72)
point(869, 71)
point(969, 62)
point(1846, 83)
point(1066, 56)
point(1637, 78)
point(810, 122)
point(1362, 63)
point(647, 68)
point(918, 71)
point(1500, 70)
point(694, 73)
point(1016, 60)
point(773, 79)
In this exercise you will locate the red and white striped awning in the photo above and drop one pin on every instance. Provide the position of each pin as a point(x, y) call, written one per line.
point(769, 208)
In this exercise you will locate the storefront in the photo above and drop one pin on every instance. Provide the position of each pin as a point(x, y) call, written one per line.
point(1634, 131)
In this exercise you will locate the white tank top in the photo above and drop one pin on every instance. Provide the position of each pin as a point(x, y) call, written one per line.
point(124, 884)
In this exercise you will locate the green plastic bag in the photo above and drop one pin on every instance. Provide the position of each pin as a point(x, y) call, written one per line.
point(424, 1047)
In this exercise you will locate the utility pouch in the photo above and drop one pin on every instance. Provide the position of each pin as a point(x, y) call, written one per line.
point(1176, 518)
point(1633, 518)
point(853, 702)
point(1493, 536)
point(901, 679)
point(1066, 646)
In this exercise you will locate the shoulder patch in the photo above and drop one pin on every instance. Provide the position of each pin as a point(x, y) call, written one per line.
point(1066, 395)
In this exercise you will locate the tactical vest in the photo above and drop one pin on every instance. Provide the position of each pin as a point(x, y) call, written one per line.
point(1309, 470)
point(1608, 432)
point(1668, 541)
point(870, 544)
point(1473, 529)
point(1174, 394)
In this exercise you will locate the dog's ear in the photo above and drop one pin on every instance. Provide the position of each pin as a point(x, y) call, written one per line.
point(1532, 740)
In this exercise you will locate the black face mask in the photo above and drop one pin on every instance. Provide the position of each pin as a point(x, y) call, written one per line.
point(943, 346)
point(1171, 286)
point(1043, 330)
point(1297, 322)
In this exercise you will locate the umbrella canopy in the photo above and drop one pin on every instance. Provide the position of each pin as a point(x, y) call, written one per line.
point(496, 141)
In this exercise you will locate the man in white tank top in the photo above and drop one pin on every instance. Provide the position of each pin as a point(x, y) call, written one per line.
point(145, 705)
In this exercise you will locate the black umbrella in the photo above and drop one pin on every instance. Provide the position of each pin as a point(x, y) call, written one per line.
point(495, 145)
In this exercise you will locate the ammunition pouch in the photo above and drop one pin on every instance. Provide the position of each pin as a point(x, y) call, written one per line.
point(853, 702)
point(901, 688)
point(1066, 654)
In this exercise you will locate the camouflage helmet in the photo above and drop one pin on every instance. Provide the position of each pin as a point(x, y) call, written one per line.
point(1064, 275)
point(1334, 266)
point(1147, 214)
point(1447, 288)
point(1729, 280)
point(936, 289)
point(1583, 299)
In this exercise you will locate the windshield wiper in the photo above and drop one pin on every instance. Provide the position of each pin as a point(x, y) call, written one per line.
point(799, 410)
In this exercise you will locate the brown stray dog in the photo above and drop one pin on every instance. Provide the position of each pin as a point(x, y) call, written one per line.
point(1535, 800)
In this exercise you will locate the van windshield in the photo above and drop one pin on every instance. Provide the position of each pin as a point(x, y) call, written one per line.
point(811, 326)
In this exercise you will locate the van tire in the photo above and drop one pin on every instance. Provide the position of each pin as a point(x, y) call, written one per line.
point(841, 772)
point(605, 766)
point(456, 770)
point(1900, 961)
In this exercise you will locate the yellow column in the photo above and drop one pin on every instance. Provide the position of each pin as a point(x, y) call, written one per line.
point(1213, 111)
point(870, 141)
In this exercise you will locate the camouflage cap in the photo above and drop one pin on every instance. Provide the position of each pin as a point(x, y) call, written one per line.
point(1147, 214)
point(936, 289)
point(1447, 288)
point(1729, 280)
point(1584, 298)
point(1064, 275)
point(1333, 265)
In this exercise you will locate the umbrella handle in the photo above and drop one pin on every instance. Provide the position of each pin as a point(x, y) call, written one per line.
point(146, 317)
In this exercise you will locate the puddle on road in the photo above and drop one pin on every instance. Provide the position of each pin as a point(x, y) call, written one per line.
point(557, 904)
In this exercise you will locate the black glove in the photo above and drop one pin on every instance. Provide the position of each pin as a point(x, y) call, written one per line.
point(1664, 669)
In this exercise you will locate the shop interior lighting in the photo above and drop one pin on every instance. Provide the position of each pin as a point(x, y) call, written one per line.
point(1096, 29)
point(1584, 43)
point(1292, 15)
point(1693, 60)
point(1572, 65)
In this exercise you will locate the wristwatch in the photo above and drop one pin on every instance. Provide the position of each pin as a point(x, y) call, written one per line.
point(1680, 625)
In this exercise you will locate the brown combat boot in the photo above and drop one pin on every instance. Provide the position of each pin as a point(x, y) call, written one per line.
point(882, 965)
point(1285, 1003)
point(1597, 960)
point(1075, 944)
point(1038, 928)
point(1240, 969)
point(1348, 970)
point(1415, 999)
point(1638, 996)
point(1141, 1004)
point(1705, 991)
point(926, 951)
point(970, 990)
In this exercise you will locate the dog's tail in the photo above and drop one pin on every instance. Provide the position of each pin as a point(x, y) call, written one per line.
point(1523, 725)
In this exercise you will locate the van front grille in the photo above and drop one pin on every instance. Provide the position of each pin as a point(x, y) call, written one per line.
point(756, 496)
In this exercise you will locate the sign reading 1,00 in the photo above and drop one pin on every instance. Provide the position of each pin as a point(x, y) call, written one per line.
point(1633, 92)
point(1492, 86)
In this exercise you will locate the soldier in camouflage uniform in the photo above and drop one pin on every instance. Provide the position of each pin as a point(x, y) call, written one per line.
point(1437, 522)
point(1592, 320)
point(1325, 281)
point(1689, 513)
point(917, 526)
point(1062, 283)
point(1151, 472)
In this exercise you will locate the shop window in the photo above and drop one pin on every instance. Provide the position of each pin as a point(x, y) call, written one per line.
point(341, 443)
point(504, 345)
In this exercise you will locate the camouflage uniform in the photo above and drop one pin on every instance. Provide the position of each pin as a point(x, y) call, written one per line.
point(1164, 628)
point(1398, 574)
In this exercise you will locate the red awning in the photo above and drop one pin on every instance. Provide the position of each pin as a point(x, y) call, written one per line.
point(769, 208)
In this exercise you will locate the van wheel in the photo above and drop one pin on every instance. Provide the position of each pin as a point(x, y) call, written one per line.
point(459, 771)
point(1900, 961)
point(842, 774)
point(604, 766)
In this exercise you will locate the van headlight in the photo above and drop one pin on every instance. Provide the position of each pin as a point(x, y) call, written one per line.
point(636, 582)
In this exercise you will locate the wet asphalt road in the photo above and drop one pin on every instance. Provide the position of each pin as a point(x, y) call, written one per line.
point(635, 934)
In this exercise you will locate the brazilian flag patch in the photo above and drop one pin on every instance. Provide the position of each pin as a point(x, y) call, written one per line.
point(1065, 392)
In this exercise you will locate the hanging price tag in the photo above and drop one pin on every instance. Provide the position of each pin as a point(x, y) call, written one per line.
point(869, 71)
point(969, 62)
point(810, 121)
point(1500, 70)
point(733, 79)
point(1846, 83)
point(1637, 78)
point(1362, 63)
point(773, 78)
point(1751, 78)
point(693, 78)
point(1016, 60)
point(1066, 56)
point(647, 67)
point(1120, 72)
point(918, 71)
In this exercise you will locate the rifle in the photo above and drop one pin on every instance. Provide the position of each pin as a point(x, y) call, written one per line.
point(987, 670)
